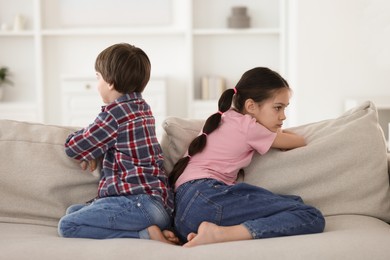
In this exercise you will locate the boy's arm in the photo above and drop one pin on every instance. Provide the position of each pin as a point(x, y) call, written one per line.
point(288, 140)
point(93, 141)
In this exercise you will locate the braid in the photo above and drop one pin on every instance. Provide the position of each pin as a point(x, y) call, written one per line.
point(199, 143)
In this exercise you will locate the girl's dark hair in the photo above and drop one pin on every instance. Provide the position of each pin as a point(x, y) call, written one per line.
point(258, 84)
point(125, 66)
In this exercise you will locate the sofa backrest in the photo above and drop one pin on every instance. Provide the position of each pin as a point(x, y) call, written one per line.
point(37, 180)
point(342, 170)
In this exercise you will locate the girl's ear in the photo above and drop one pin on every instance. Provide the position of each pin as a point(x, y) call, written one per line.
point(250, 106)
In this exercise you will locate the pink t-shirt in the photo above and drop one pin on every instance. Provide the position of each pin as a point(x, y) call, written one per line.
point(229, 148)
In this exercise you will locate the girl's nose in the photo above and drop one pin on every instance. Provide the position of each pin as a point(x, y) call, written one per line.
point(282, 116)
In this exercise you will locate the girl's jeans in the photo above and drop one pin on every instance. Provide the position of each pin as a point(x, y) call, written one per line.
point(263, 213)
point(114, 217)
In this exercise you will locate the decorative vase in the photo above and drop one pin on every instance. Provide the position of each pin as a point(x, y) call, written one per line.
point(239, 18)
point(19, 23)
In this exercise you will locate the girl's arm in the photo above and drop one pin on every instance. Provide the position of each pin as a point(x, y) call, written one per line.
point(288, 140)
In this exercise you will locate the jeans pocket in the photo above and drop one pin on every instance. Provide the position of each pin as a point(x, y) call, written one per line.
point(159, 215)
point(200, 208)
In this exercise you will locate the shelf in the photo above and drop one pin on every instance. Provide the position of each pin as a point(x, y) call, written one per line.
point(16, 105)
point(16, 33)
point(226, 31)
point(114, 31)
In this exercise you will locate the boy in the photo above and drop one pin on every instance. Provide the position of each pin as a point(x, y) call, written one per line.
point(134, 199)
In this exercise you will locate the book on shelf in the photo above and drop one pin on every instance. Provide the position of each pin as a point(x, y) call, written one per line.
point(212, 87)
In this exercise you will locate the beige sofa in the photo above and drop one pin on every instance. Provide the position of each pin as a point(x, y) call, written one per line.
point(343, 171)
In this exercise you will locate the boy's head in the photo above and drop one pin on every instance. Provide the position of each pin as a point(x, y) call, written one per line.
point(124, 66)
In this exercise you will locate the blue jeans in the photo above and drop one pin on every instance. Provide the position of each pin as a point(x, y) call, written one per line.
point(115, 217)
point(263, 213)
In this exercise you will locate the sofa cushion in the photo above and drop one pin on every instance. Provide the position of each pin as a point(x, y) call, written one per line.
point(345, 238)
point(38, 181)
point(177, 135)
point(342, 170)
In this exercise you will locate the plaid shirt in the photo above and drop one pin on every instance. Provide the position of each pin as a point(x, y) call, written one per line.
point(124, 135)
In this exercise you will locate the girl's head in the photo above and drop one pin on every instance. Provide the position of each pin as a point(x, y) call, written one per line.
point(261, 93)
point(258, 84)
point(125, 67)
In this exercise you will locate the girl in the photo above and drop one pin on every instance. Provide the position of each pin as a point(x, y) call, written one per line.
point(210, 206)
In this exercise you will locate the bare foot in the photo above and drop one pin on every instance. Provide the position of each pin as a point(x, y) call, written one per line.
point(209, 233)
point(165, 236)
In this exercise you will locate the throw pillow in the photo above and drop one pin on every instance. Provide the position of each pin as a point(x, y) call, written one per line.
point(38, 180)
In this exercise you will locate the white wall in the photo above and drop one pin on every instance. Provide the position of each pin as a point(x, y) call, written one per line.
point(340, 49)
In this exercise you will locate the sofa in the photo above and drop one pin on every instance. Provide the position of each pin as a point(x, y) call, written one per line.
point(343, 171)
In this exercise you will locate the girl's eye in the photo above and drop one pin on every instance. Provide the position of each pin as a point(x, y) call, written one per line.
point(278, 108)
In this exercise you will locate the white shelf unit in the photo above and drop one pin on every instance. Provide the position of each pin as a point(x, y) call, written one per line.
point(20, 51)
point(191, 41)
point(224, 52)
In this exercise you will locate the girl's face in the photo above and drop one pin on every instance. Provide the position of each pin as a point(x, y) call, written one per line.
point(271, 112)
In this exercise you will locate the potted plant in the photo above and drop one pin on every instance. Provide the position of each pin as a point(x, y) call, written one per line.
point(4, 80)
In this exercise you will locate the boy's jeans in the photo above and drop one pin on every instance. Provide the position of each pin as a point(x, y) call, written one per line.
point(263, 213)
point(114, 217)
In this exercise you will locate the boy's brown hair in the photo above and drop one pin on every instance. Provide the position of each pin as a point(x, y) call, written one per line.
point(124, 66)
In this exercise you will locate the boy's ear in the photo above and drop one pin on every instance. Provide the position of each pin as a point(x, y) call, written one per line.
point(111, 86)
point(250, 105)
